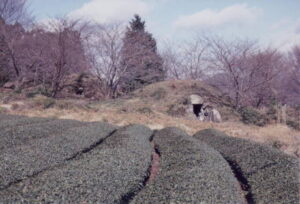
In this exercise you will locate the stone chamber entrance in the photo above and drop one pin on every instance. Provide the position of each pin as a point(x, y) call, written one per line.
point(197, 104)
point(197, 109)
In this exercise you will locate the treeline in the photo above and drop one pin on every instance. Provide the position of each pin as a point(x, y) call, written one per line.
point(250, 74)
point(41, 57)
point(121, 59)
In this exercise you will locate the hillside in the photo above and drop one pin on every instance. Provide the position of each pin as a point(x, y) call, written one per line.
point(157, 106)
point(174, 96)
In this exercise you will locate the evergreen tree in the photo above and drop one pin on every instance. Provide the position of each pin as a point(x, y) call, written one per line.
point(137, 24)
point(139, 56)
point(4, 56)
point(4, 61)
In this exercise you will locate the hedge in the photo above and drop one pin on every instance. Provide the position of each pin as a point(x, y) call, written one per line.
point(109, 173)
point(12, 122)
point(272, 176)
point(190, 172)
point(29, 159)
point(20, 135)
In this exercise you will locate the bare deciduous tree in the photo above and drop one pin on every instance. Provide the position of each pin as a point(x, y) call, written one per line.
point(4, 61)
point(228, 60)
point(66, 52)
point(194, 62)
point(295, 59)
point(265, 66)
point(12, 35)
point(49, 54)
point(243, 70)
point(288, 82)
point(12, 11)
point(187, 61)
point(104, 54)
point(44, 55)
point(172, 62)
point(13, 16)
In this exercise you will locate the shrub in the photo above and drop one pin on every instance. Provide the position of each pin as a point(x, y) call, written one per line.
point(31, 94)
point(18, 90)
point(297, 107)
point(271, 174)
point(38, 91)
point(200, 173)
point(252, 116)
point(145, 110)
point(277, 144)
point(271, 113)
point(3, 79)
point(293, 124)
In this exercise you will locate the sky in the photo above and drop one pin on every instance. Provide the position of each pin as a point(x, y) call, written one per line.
point(271, 22)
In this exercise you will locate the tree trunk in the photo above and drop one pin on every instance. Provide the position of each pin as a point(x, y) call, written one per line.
point(17, 71)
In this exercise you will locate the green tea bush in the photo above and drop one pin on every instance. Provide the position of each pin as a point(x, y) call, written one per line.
point(190, 172)
point(272, 176)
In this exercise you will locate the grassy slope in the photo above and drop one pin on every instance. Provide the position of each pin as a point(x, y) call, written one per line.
point(149, 106)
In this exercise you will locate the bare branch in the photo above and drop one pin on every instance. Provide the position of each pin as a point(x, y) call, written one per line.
point(14, 11)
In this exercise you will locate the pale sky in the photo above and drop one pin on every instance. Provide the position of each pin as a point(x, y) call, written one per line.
point(275, 22)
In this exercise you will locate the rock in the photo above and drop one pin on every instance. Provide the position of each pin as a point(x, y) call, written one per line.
point(9, 85)
point(202, 111)
point(210, 114)
point(196, 99)
point(217, 116)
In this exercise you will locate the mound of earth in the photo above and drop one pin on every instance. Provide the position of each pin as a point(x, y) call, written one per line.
point(66, 161)
point(173, 98)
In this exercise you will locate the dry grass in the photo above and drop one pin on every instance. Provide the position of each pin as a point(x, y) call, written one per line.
point(288, 139)
point(164, 95)
point(149, 106)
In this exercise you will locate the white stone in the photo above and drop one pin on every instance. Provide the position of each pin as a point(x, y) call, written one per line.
point(195, 99)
